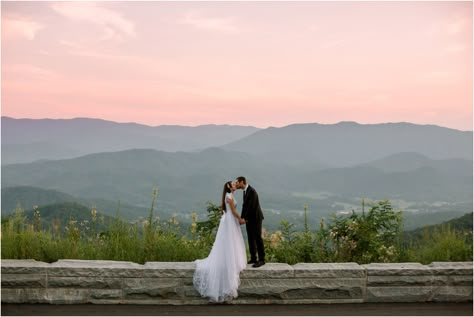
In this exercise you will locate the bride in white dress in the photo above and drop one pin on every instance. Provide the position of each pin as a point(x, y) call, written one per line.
point(217, 276)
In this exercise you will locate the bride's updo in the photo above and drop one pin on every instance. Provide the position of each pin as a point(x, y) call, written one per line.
point(227, 189)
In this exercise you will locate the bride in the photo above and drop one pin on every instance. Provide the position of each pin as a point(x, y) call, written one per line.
point(217, 276)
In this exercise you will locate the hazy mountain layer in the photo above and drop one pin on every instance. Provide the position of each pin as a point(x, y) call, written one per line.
point(329, 167)
point(186, 181)
point(349, 143)
point(28, 140)
point(26, 197)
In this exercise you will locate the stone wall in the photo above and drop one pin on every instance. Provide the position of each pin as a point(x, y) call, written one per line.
point(113, 282)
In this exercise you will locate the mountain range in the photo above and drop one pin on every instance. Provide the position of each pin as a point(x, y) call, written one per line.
point(29, 140)
point(421, 168)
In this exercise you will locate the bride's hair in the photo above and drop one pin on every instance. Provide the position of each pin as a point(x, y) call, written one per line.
point(227, 189)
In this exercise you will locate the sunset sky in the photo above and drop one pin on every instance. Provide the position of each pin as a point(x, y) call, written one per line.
point(242, 63)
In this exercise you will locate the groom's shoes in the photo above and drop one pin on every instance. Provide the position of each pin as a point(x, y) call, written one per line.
point(252, 262)
point(259, 264)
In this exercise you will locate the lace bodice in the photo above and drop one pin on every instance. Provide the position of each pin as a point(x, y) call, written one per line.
point(227, 206)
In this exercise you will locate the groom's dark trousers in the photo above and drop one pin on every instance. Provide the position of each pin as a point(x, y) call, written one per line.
point(252, 212)
point(254, 234)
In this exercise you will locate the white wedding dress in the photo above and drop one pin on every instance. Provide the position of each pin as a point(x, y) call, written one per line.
point(217, 276)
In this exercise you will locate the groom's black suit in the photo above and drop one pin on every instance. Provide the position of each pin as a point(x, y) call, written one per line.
point(252, 212)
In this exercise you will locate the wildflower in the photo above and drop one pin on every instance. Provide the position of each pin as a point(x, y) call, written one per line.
point(94, 215)
point(276, 238)
point(56, 224)
point(173, 221)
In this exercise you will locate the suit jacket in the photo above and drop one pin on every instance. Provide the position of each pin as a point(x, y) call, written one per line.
point(251, 210)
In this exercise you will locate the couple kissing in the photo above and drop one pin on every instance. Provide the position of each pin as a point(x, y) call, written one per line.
point(217, 276)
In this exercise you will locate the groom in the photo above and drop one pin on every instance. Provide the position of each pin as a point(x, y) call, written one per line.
point(252, 213)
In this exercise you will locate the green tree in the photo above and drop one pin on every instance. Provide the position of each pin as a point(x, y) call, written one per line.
point(367, 237)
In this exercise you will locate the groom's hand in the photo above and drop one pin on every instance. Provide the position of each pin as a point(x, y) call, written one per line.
point(227, 200)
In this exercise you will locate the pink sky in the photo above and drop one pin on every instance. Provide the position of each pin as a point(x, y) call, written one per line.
point(243, 63)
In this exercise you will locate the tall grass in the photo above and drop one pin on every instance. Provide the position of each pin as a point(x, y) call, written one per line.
point(372, 236)
point(441, 244)
point(138, 242)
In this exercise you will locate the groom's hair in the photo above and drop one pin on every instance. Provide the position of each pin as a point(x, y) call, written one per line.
point(242, 179)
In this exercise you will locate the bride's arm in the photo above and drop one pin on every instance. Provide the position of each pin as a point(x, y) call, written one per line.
point(232, 208)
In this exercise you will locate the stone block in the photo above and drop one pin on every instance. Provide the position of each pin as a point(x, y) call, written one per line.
point(67, 296)
point(93, 268)
point(452, 294)
point(399, 280)
point(105, 294)
point(24, 267)
point(84, 282)
point(453, 280)
point(24, 280)
point(190, 291)
point(169, 269)
point(269, 270)
point(460, 280)
point(302, 288)
point(405, 294)
point(396, 269)
point(329, 270)
point(451, 268)
point(144, 288)
point(24, 295)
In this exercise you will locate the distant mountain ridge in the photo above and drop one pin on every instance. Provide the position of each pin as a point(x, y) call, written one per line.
point(26, 197)
point(462, 224)
point(337, 145)
point(329, 167)
point(349, 143)
point(28, 140)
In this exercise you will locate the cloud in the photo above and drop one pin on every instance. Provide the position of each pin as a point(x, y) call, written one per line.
point(113, 24)
point(219, 24)
point(19, 28)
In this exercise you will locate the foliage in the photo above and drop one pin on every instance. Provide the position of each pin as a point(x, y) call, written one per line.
point(207, 230)
point(362, 237)
point(367, 237)
point(442, 243)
